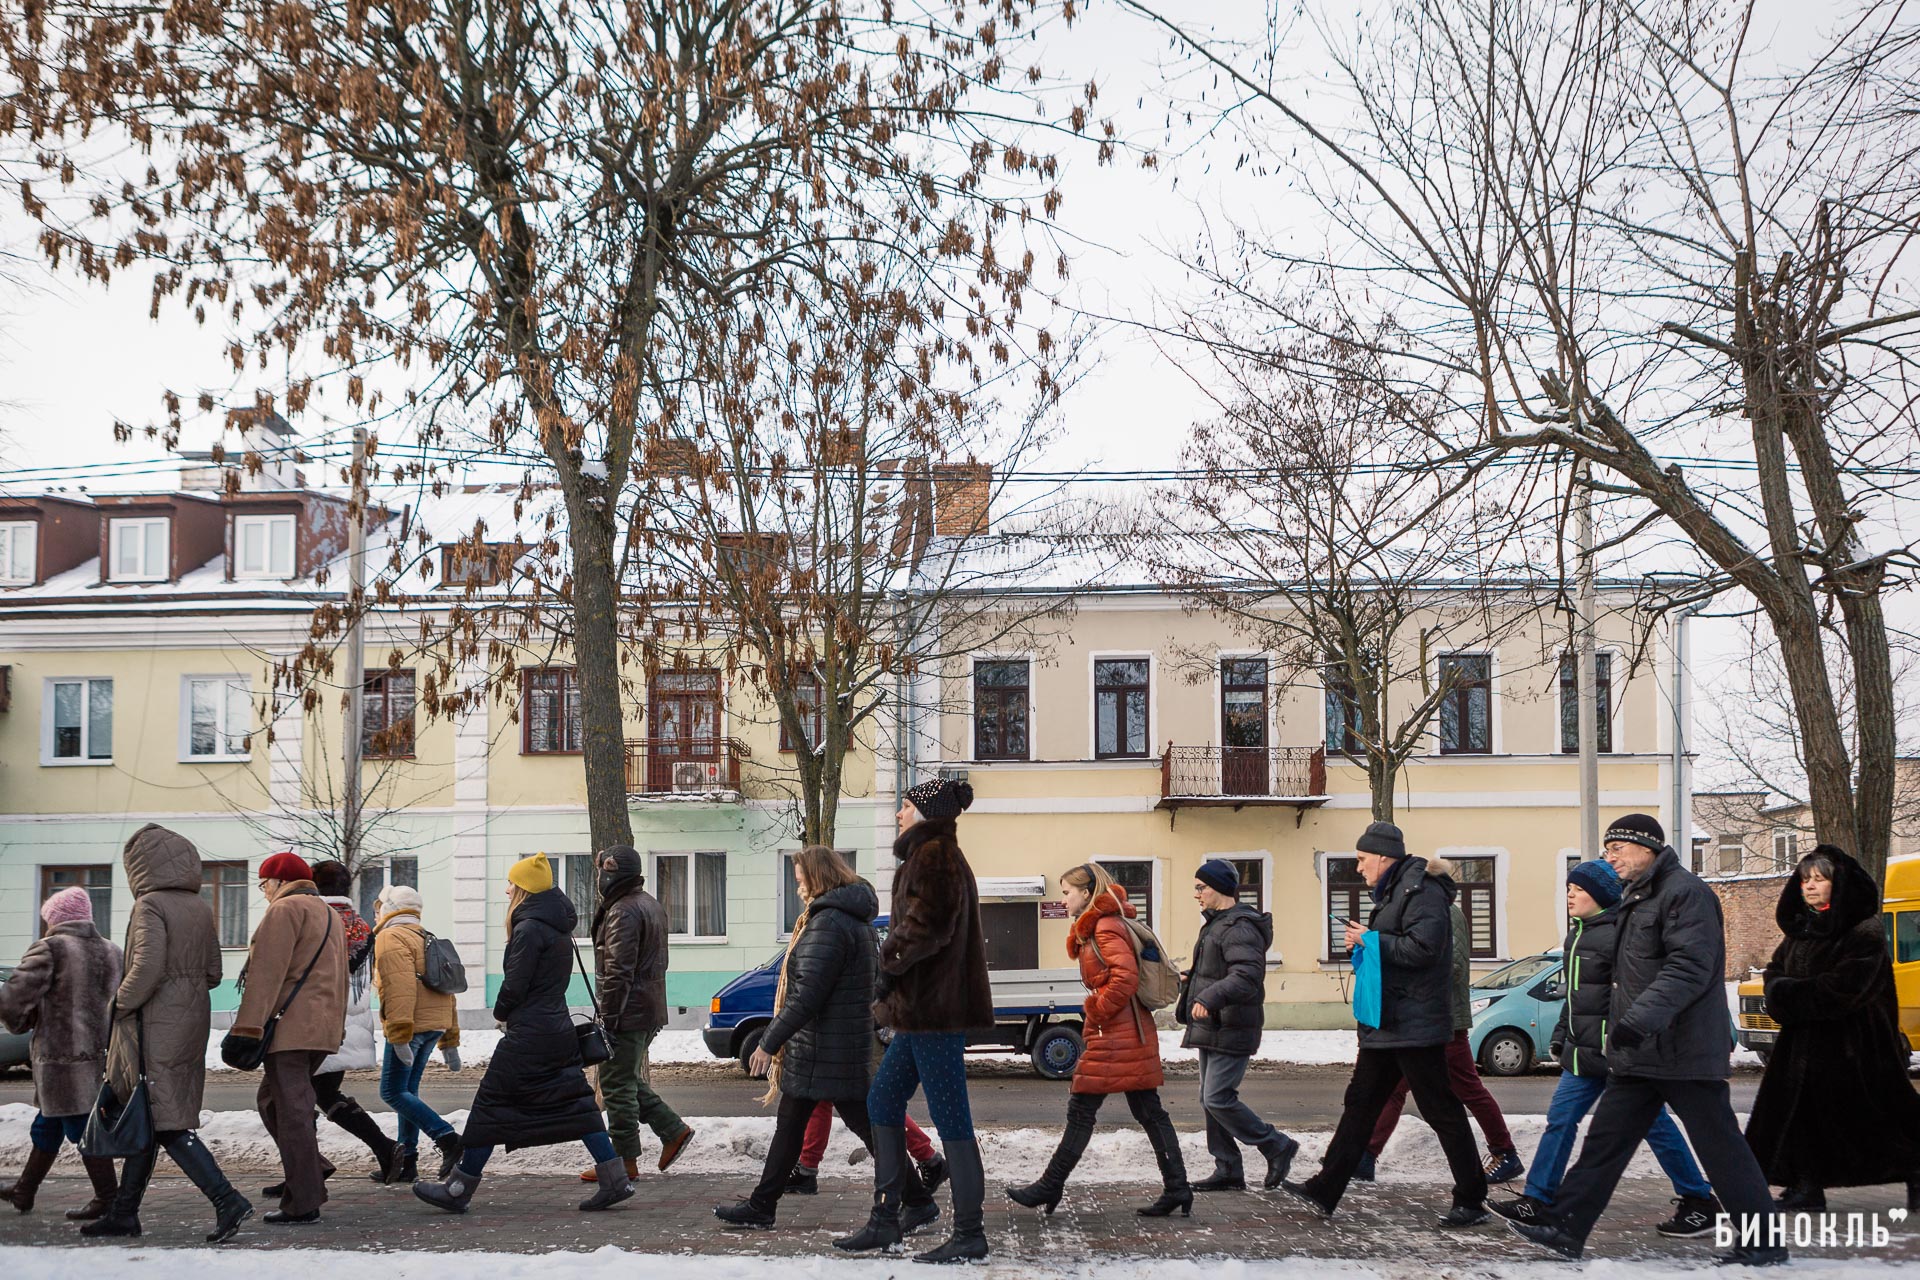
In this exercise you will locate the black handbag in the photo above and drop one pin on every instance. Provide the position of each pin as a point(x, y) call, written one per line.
point(596, 1046)
point(241, 1056)
point(118, 1130)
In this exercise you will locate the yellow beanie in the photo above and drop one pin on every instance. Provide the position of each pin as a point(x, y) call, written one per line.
point(534, 874)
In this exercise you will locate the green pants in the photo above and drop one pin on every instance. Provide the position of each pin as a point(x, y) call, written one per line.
point(629, 1096)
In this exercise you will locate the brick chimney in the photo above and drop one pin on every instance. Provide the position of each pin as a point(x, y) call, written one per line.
point(962, 492)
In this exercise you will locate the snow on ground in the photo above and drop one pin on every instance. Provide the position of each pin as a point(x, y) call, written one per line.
point(619, 1264)
point(737, 1146)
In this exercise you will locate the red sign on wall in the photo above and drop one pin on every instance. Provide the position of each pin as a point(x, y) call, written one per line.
point(1053, 911)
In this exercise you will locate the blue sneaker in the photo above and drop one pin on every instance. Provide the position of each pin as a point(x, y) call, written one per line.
point(1504, 1166)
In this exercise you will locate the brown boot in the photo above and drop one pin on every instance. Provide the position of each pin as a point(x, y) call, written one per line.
point(593, 1174)
point(100, 1173)
point(20, 1194)
point(674, 1146)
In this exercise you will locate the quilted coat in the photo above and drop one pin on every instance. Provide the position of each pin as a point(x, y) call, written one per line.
point(1123, 1048)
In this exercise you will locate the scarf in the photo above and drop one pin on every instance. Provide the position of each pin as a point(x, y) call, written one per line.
point(780, 1002)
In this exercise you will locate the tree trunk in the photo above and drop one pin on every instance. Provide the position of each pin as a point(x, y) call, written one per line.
point(596, 654)
point(1381, 775)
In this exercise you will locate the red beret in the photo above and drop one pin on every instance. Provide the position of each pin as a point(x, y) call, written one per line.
point(285, 866)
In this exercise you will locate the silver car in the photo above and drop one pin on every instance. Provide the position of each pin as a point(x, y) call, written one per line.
point(13, 1048)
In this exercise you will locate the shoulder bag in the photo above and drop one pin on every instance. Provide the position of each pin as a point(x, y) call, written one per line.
point(118, 1130)
point(596, 1046)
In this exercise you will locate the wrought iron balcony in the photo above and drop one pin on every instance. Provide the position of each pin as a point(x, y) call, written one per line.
point(1231, 777)
point(661, 767)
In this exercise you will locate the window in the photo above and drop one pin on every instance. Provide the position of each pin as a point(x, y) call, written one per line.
point(581, 880)
point(1786, 850)
point(375, 877)
point(96, 880)
point(1697, 856)
point(1346, 900)
point(813, 719)
point(1474, 876)
point(138, 549)
point(462, 564)
point(1905, 928)
point(1000, 711)
point(693, 889)
point(79, 724)
point(1120, 708)
point(790, 904)
point(1570, 702)
point(386, 716)
point(263, 547)
point(1135, 875)
point(550, 712)
point(216, 717)
point(1253, 881)
point(224, 886)
point(18, 564)
point(1466, 709)
point(1342, 711)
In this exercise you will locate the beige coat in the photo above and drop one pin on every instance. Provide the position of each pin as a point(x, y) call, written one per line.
point(172, 962)
point(298, 929)
point(408, 1006)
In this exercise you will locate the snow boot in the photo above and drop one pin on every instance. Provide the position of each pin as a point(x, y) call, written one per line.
point(453, 1195)
point(614, 1185)
point(100, 1173)
point(23, 1189)
point(889, 1181)
point(968, 1243)
point(593, 1175)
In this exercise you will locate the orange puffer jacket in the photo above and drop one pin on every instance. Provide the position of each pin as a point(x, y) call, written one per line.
point(1123, 1048)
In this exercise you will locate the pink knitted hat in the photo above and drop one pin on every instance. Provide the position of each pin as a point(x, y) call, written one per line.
point(67, 907)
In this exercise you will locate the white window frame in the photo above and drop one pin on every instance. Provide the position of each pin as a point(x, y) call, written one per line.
point(1496, 740)
point(222, 731)
point(267, 524)
point(147, 572)
point(1093, 704)
point(1033, 704)
point(10, 535)
point(1265, 858)
point(1614, 668)
point(1157, 875)
point(1791, 839)
point(693, 893)
point(82, 760)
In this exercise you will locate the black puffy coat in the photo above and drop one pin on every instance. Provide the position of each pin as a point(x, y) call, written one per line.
point(824, 1031)
point(1414, 918)
point(1229, 977)
point(1668, 958)
point(1580, 1037)
point(1835, 1107)
point(534, 1092)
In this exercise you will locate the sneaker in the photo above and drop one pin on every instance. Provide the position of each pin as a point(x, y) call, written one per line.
point(1466, 1215)
point(1364, 1172)
point(1504, 1166)
point(1692, 1219)
point(1525, 1209)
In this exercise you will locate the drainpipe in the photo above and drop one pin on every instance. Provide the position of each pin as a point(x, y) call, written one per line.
point(1682, 823)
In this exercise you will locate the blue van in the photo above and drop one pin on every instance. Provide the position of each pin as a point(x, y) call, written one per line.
point(1036, 1012)
point(1515, 1009)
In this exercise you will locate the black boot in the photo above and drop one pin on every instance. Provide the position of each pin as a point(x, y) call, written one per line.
point(348, 1114)
point(889, 1181)
point(100, 1173)
point(917, 1208)
point(933, 1172)
point(21, 1193)
point(448, 1144)
point(405, 1171)
point(1175, 1194)
point(122, 1217)
point(969, 1240)
point(803, 1182)
point(1805, 1197)
point(1045, 1194)
point(230, 1208)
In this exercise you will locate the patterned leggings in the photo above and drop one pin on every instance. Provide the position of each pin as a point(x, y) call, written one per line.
point(935, 1061)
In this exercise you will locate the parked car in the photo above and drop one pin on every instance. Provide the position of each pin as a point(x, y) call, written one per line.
point(14, 1050)
point(1514, 1011)
point(1036, 1012)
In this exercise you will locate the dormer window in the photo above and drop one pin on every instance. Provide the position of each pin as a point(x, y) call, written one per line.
point(463, 564)
point(263, 547)
point(138, 549)
point(18, 542)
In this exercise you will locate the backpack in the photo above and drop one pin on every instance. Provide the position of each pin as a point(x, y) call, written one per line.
point(1159, 977)
point(441, 970)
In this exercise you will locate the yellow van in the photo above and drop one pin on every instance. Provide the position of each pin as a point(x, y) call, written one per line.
point(1900, 909)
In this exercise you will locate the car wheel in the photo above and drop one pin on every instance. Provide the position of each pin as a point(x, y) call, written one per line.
point(748, 1043)
point(1056, 1052)
point(1506, 1053)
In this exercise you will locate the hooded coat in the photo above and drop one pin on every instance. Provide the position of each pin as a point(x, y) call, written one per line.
point(1229, 977)
point(630, 951)
point(172, 959)
point(534, 1092)
point(1835, 1108)
point(1122, 1047)
point(1413, 914)
point(296, 966)
point(61, 991)
point(824, 1030)
point(933, 964)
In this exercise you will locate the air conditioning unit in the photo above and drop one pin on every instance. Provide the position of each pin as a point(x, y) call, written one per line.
point(696, 775)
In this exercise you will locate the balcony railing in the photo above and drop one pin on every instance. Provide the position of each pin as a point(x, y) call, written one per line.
point(1243, 775)
point(683, 766)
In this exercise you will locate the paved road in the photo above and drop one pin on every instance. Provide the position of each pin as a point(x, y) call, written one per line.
point(1291, 1096)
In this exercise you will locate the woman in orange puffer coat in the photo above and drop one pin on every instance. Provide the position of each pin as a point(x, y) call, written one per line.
point(1122, 1046)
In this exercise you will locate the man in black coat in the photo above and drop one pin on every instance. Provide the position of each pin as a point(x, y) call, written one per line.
point(630, 956)
point(1413, 928)
point(1223, 1006)
point(1669, 1040)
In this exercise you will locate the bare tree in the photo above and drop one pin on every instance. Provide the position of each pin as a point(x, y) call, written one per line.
point(1631, 240)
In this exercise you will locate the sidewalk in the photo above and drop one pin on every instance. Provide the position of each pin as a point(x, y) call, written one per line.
point(1388, 1222)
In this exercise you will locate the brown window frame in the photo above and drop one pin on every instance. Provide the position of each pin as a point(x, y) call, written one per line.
point(105, 926)
point(1001, 698)
point(1475, 897)
point(1570, 703)
point(211, 885)
point(1460, 698)
point(816, 714)
point(568, 692)
point(371, 747)
point(1122, 692)
point(1344, 902)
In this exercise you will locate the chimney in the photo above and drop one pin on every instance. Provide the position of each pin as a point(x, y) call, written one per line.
point(961, 494)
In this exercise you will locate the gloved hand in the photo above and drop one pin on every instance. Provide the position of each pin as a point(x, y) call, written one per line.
point(404, 1052)
point(452, 1055)
point(1557, 1048)
point(237, 1051)
point(1628, 1036)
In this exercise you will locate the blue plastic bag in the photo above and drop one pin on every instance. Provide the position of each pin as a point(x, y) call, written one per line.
point(1367, 980)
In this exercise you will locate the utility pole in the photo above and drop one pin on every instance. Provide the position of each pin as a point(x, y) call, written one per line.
point(1587, 675)
point(355, 675)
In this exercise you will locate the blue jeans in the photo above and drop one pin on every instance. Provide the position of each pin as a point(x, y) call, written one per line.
point(47, 1131)
point(400, 1089)
point(599, 1145)
point(1572, 1099)
point(936, 1060)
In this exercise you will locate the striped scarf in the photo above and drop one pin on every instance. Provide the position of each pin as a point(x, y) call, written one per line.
point(780, 1002)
